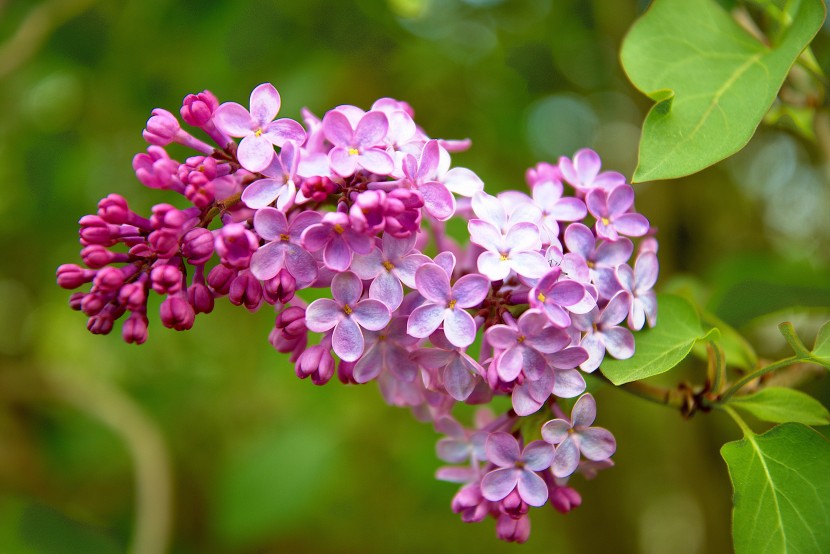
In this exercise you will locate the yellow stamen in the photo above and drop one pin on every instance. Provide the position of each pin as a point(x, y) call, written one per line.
point(347, 309)
point(451, 305)
point(338, 229)
point(258, 133)
point(605, 220)
point(521, 339)
point(540, 297)
point(381, 337)
point(503, 257)
point(388, 265)
point(284, 237)
point(353, 151)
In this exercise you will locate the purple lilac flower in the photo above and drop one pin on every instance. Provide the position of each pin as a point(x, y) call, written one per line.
point(335, 236)
point(552, 295)
point(347, 314)
point(284, 248)
point(576, 435)
point(610, 207)
point(583, 172)
point(603, 332)
point(639, 282)
point(446, 305)
point(451, 368)
point(387, 350)
point(516, 469)
point(517, 250)
point(547, 195)
point(390, 267)
point(601, 256)
point(259, 132)
point(280, 186)
point(524, 343)
point(360, 147)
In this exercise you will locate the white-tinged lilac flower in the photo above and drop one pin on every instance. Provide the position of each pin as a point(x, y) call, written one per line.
point(531, 395)
point(259, 132)
point(445, 304)
point(577, 435)
point(601, 257)
point(516, 469)
point(547, 196)
point(358, 147)
point(524, 343)
point(610, 207)
point(347, 314)
point(284, 248)
point(517, 250)
point(552, 295)
point(387, 350)
point(390, 267)
point(450, 368)
point(604, 333)
point(280, 184)
point(505, 210)
point(639, 282)
point(583, 172)
point(335, 236)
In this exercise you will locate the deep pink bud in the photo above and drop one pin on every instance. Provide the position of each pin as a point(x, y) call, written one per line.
point(367, 213)
point(564, 499)
point(75, 300)
point(133, 296)
point(513, 530)
point(100, 324)
point(134, 329)
point(197, 245)
point(280, 288)
point(403, 214)
point(247, 290)
point(294, 346)
point(345, 372)
point(318, 189)
point(94, 230)
point(235, 245)
point(166, 279)
point(110, 278)
point(93, 303)
point(113, 209)
point(220, 278)
point(164, 242)
point(156, 170)
point(97, 256)
point(71, 276)
point(162, 128)
point(197, 109)
point(513, 505)
point(200, 192)
point(200, 297)
point(470, 504)
point(176, 313)
point(291, 322)
point(317, 363)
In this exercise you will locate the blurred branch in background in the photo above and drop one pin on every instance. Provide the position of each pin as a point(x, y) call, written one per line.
point(35, 28)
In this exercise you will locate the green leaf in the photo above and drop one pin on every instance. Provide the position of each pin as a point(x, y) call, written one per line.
point(712, 81)
point(659, 349)
point(780, 405)
point(782, 491)
point(821, 349)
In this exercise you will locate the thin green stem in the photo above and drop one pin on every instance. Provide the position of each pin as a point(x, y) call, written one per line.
point(788, 331)
point(658, 395)
point(740, 383)
point(739, 420)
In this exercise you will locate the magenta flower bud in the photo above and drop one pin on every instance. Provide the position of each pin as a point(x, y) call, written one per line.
point(164, 242)
point(513, 505)
point(110, 279)
point(245, 289)
point(513, 530)
point(166, 216)
point(294, 346)
point(291, 322)
point(201, 193)
point(197, 109)
point(317, 189)
point(94, 230)
point(134, 329)
point(367, 213)
point(93, 303)
point(200, 297)
point(71, 276)
point(113, 209)
point(316, 362)
point(166, 279)
point(75, 300)
point(470, 504)
point(156, 170)
point(96, 256)
point(195, 167)
point(403, 215)
point(280, 288)
point(235, 245)
point(162, 128)
point(176, 313)
point(345, 372)
point(219, 279)
point(197, 245)
point(133, 296)
point(325, 372)
point(100, 324)
point(564, 499)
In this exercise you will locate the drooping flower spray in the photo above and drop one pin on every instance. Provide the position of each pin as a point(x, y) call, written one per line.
point(352, 203)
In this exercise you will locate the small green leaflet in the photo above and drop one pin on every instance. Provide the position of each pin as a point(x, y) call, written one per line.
point(780, 405)
point(821, 350)
point(782, 491)
point(659, 349)
point(711, 80)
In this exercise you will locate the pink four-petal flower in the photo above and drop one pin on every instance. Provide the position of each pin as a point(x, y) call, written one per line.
point(516, 469)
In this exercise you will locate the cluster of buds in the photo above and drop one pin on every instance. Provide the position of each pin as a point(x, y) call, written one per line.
point(357, 203)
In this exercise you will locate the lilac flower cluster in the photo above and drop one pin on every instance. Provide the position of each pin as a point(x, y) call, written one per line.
point(356, 203)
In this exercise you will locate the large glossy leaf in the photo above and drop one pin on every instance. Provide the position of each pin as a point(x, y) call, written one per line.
point(780, 405)
point(711, 80)
point(782, 491)
point(659, 349)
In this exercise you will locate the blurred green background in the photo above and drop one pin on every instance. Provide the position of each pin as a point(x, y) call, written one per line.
point(205, 440)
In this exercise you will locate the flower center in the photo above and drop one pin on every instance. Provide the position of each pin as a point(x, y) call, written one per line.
point(353, 152)
point(347, 309)
point(605, 220)
point(388, 265)
point(258, 133)
point(521, 339)
point(540, 297)
point(451, 303)
point(504, 256)
point(381, 337)
point(284, 237)
point(338, 229)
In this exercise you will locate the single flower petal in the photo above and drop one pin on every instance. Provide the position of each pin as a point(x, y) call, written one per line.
point(369, 366)
point(323, 314)
point(461, 180)
point(493, 266)
point(532, 488)
point(537, 455)
point(486, 235)
point(529, 264)
point(502, 449)
point(619, 342)
point(597, 443)
point(509, 364)
point(523, 236)
point(569, 383)
point(523, 403)
point(255, 153)
point(502, 336)
point(424, 320)
point(565, 458)
point(555, 431)
point(620, 199)
point(337, 255)
point(282, 131)
point(470, 290)
point(458, 381)
point(265, 103)
point(347, 340)
point(347, 288)
point(337, 129)
point(646, 269)
point(433, 284)
point(368, 266)
point(438, 200)
point(632, 225)
point(584, 411)
point(453, 451)
point(268, 260)
point(342, 162)
point(376, 161)
point(459, 328)
point(371, 130)
point(260, 194)
point(386, 288)
point(499, 483)
point(269, 223)
point(371, 314)
point(300, 264)
point(234, 120)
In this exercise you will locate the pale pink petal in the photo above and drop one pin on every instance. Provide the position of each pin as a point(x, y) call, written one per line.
point(368, 366)
point(566, 458)
point(316, 236)
point(509, 364)
point(301, 265)
point(371, 130)
point(433, 284)
point(620, 199)
point(470, 290)
point(597, 443)
point(376, 161)
point(499, 483)
point(282, 131)
point(255, 153)
point(616, 310)
point(461, 180)
point(458, 381)
point(337, 255)
point(632, 225)
point(555, 431)
point(337, 129)
point(452, 450)
point(260, 194)
point(537, 455)
point(486, 235)
point(424, 320)
point(584, 411)
point(323, 314)
point(592, 344)
point(446, 260)
point(529, 264)
point(234, 120)
point(619, 342)
point(567, 358)
point(491, 265)
point(569, 209)
point(523, 236)
point(371, 314)
point(459, 328)
point(646, 269)
point(568, 383)
point(368, 266)
point(523, 403)
point(269, 223)
point(597, 203)
point(406, 268)
point(502, 449)
point(386, 288)
point(347, 288)
point(342, 162)
point(490, 209)
point(268, 260)
point(580, 240)
point(532, 488)
point(502, 336)
point(438, 200)
point(265, 103)
point(587, 165)
point(347, 340)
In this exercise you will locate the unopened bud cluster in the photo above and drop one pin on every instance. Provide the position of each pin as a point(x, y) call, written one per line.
point(356, 203)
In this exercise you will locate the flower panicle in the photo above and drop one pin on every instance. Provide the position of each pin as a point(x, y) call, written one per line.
point(355, 203)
